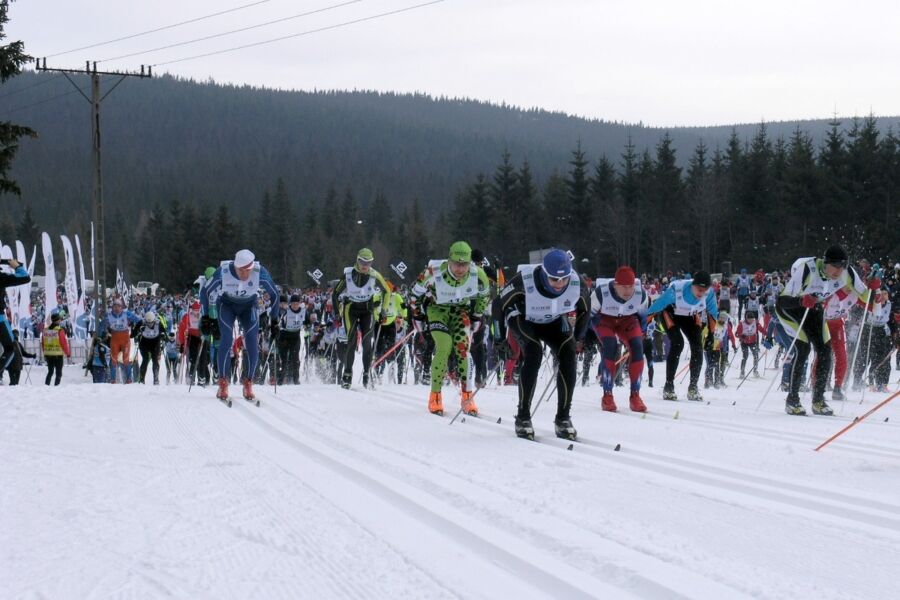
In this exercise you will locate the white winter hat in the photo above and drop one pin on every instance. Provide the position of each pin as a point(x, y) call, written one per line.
point(244, 258)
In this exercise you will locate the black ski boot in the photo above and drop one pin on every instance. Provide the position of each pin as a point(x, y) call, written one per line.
point(792, 406)
point(838, 395)
point(366, 381)
point(346, 380)
point(669, 391)
point(524, 428)
point(565, 429)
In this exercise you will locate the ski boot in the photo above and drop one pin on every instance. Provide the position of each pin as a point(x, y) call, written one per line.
point(792, 406)
point(346, 380)
point(837, 395)
point(565, 429)
point(756, 374)
point(820, 407)
point(524, 428)
point(366, 380)
point(607, 403)
point(694, 394)
point(742, 374)
point(468, 403)
point(248, 390)
point(635, 403)
point(669, 391)
point(222, 392)
point(436, 403)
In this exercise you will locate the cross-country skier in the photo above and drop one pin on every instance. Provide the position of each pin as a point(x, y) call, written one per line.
point(357, 289)
point(748, 332)
point(619, 309)
point(444, 292)
point(289, 340)
point(683, 308)
point(119, 323)
point(546, 303)
point(813, 281)
point(235, 284)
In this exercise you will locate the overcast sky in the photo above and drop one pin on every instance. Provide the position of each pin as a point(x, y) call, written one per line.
point(662, 63)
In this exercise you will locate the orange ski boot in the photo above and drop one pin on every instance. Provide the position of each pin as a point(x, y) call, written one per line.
point(607, 403)
point(248, 390)
point(468, 403)
point(222, 393)
point(637, 405)
point(436, 403)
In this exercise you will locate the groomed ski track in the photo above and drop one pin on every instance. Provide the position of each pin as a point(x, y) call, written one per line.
point(154, 492)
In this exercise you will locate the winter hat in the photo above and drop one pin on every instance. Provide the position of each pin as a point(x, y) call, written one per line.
point(557, 264)
point(210, 271)
point(54, 317)
point(625, 276)
point(702, 279)
point(835, 255)
point(150, 317)
point(244, 258)
point(365, 255)
point(195, 305)
point(460, 252)
point(295, 298)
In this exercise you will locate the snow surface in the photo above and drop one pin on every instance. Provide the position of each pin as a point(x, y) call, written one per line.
point(154, 492)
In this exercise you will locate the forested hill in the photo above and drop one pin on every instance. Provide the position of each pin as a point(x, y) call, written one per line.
point(205, 143)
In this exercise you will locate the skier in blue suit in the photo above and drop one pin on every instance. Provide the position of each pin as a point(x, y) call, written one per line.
point(234, 290)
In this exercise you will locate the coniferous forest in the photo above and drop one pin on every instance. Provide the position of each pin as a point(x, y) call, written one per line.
point(194, 170)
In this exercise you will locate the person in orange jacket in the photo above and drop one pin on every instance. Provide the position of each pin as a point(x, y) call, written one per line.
point(56, 346)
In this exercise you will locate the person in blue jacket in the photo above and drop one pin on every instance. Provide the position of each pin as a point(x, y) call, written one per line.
point(684, 308)
point(233, 291)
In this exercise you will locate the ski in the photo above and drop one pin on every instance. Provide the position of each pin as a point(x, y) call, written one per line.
point(225, 401)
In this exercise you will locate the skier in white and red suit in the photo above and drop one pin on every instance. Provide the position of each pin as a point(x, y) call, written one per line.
point(619, 310)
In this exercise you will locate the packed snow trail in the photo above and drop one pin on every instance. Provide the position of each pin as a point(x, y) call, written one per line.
point(147, 492)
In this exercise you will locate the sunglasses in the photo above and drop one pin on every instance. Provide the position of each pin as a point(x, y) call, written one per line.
point(557, 279)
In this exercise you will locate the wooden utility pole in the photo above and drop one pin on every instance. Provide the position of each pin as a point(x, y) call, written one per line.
point(96, 169)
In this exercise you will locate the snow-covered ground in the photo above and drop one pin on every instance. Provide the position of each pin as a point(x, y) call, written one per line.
point(154, 492)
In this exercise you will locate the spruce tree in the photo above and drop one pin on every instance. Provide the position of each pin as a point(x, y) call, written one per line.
point(12, 57)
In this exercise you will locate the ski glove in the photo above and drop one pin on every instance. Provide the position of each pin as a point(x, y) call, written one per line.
point(767, 344)
point(809, 301)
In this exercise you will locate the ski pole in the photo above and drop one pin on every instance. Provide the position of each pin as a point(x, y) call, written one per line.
point(788, 353)
point(546, 390)
point(856, 421)
point(392, 349)
point(744, 378)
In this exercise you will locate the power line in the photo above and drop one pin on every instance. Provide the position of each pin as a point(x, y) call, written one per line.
point(233, 31)
point(28, 87)
point(50, 99)
point(163, 28)
point(302, 33)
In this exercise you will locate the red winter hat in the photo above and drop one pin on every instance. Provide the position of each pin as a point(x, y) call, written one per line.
point(625, 276)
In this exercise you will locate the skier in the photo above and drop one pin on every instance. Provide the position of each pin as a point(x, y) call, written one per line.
point(289, 340)
point(748, 333)
point(149, 345)
point(172, 357)
point(234, 286)
point(119, 322)
point(390, 318)
point(743, 284)
point(877, 341)
point(619, 309)
point(444, 292)
point(717, 340)
point(190, 339)
point(836, 312)
point(813, 281)
point(546, 303)
point(55, 345)
point(18, 276)
point(358, 287)
point(98, 358)
point(683, 308)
